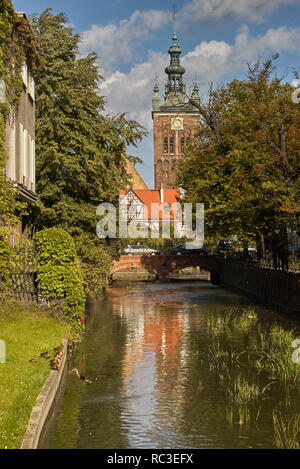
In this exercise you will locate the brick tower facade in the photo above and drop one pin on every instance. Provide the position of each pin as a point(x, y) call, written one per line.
point(175, 121)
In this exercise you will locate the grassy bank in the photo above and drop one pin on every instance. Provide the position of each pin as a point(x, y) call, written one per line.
point(27, 332)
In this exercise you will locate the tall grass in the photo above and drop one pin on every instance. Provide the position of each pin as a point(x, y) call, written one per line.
point(232, 319)
point(242, 391)
point(274, 354)
point(286, 431)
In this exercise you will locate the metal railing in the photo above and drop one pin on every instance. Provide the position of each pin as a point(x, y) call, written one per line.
point(269, 261)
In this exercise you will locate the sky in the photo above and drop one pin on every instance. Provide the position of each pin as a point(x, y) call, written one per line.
point(218, 38)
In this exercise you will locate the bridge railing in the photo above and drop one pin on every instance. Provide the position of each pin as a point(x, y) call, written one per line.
point(269, 261)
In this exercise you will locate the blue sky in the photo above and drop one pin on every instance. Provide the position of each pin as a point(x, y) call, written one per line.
point(217, 37)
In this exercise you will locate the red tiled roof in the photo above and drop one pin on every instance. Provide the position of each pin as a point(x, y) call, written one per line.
point(152, 196)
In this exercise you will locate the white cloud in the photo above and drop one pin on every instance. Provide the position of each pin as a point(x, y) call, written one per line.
point(253, 10)
point(115, 42)
point(131, 92)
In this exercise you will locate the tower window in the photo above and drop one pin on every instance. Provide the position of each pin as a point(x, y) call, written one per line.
point(172, 145)
point(182, 144)
point(166, 145)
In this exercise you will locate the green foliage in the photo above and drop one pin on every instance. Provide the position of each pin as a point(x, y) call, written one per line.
point(6, 27)
point(245, 164)
point(13, 34)
point(286, 431)
point(274, 354)
point(5, 262)
point(55, 246)
point(59, 274)
point(81, 150)
point(95, 261)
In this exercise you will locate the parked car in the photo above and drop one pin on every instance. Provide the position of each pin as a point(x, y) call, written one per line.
point(139, 249)
point(183, 249)
point(224, 246)
point(294, 252)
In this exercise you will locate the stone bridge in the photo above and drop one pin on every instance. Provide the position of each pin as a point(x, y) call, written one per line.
point(164, 265)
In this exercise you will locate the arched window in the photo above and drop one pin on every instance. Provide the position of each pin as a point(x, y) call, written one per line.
point(172, 145)
point(182, 144)
point(166, 149)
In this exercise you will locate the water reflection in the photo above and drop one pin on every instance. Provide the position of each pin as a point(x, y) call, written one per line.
point(171, 367)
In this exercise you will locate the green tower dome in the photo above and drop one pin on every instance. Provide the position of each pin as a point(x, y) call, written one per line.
point(175, 70)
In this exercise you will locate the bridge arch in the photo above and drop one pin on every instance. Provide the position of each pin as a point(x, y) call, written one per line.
point(164, 265)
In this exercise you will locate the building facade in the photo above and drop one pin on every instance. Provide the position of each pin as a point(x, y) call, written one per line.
point(20, 137)
point(151, 209)
point(175, 121)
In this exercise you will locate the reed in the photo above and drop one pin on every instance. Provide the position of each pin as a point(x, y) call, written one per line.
point(231, 320)
point(286, 431)
point(222, 359)
point(244, 415)
point(229, 415)
point(274, 354)
point(243, 392)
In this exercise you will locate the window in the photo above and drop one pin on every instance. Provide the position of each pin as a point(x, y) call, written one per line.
point(172, 145)
point(182, 144)
point(32, 160)
point(166, 145)
point(25, 153)
point(167, 209)
point(31, 89)
point(24, 73)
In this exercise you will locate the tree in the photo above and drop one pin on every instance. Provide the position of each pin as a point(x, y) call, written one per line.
point(245, 163)
point(81, 150)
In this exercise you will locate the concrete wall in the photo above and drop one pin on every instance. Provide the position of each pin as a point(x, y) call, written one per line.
point(275, 287)
point(43, 406)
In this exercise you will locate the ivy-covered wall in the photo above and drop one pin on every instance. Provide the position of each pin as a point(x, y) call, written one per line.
point(7, 193)
point(16, 45)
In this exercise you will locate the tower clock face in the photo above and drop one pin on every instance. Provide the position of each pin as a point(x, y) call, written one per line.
point(177, 123)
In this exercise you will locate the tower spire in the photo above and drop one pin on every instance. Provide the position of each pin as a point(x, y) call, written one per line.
point(175, 70)
point(174, 18)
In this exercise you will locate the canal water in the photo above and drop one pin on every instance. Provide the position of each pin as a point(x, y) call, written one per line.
point(179, 365)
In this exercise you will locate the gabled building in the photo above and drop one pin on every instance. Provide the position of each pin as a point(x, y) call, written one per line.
point(151, 208)
point(135, 179)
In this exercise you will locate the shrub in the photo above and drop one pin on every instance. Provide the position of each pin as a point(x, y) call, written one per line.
point(5, 261)
point(95, 261)
point(59, 276)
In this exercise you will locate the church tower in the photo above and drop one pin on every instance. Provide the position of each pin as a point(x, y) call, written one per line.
point(175, 121)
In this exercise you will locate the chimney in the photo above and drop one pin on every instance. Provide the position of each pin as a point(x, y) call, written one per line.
point(161, 193)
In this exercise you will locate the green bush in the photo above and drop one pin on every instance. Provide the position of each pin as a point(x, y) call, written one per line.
point(59, 276)
point(95, 262)
point(5, 261)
